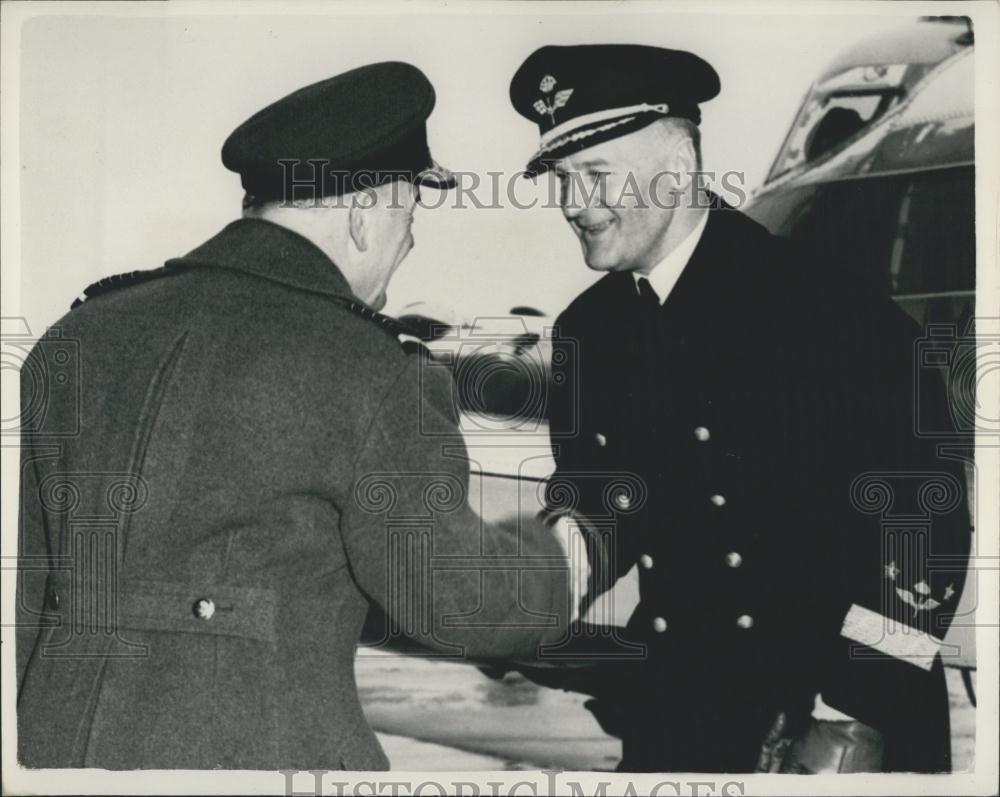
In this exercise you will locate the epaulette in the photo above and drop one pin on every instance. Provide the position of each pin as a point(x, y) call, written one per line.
point(405, 334)
point(117, 281)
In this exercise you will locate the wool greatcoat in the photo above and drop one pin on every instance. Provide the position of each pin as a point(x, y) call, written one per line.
point(750, 446)
point(223, 467)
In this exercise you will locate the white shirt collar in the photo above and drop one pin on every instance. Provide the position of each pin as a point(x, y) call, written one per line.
point(665, 274)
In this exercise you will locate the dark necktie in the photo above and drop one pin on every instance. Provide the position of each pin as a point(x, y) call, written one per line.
point(647, 318)
point(648, 299)
point(649, 348)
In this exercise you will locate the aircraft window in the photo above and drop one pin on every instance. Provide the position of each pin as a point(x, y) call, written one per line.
point(843, 117)
point(840, 106)
point(828, 120)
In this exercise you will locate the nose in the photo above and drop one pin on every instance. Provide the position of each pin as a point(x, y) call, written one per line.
point(578, 194)
point(570, 200)
point(571, 212)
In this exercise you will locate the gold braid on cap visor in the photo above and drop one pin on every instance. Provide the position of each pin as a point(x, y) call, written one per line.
point(554, 138)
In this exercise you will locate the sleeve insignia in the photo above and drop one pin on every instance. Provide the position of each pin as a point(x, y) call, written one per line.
point(920, 596)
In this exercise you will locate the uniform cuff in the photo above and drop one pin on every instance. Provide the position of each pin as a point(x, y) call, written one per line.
point(890, 637)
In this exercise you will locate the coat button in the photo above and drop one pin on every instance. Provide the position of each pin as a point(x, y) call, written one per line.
point(53, 598)
point(659, 625)
point(204, 608)
point(600, 439)
point(702, 434)
point(646, 561)
point(718, 500)
point(733, 559)
point(623, 501)
point(744, 621)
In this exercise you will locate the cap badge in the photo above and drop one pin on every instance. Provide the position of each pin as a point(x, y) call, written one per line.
point(559, 99)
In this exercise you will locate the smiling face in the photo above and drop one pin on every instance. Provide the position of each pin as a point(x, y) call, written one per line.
point(620, 196)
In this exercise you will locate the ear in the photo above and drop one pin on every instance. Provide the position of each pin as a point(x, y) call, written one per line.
point(359, 226)
point(686, 161)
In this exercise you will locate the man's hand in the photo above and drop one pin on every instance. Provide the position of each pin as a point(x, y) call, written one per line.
point(827, 747)
point(570, 538)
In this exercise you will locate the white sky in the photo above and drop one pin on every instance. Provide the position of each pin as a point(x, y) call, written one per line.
point(122, 120)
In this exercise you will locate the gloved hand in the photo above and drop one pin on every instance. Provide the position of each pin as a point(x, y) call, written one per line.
point(826, 747)
point(831, 746)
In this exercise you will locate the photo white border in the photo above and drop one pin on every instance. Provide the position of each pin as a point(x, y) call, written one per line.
point(983, 780)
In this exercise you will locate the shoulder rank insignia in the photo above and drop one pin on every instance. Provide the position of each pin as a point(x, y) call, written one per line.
point(405, 334)
point(117, 281)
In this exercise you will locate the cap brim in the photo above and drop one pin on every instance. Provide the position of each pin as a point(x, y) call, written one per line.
point(436, 176)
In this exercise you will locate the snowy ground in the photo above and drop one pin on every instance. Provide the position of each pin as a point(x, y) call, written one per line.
point(438, 715)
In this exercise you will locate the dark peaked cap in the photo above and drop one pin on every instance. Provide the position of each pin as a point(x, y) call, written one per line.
point(360, 128)
point(586, 94)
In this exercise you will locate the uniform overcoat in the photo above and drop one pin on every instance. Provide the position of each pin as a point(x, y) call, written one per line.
point(223, 467)
point(751, 448)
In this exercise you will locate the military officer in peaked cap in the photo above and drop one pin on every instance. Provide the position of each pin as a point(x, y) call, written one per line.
point(734, 415)
point(255, 461)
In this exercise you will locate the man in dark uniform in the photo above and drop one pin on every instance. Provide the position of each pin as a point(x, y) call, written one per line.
point(742, 432)
point(248, 461)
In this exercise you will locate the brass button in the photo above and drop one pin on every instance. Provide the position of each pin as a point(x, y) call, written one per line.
point(733, 559)
point(646, 561)
point(744, 621)
point(623, 501)
point(718, 500)
point(204, 608)
point(702, 434)
point(659, 625)
point(601, 440)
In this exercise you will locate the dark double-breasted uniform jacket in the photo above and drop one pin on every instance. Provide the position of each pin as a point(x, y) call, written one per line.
point(750, 447)
point(224, 464)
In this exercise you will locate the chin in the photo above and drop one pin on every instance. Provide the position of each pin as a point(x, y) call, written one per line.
point(599, 262)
